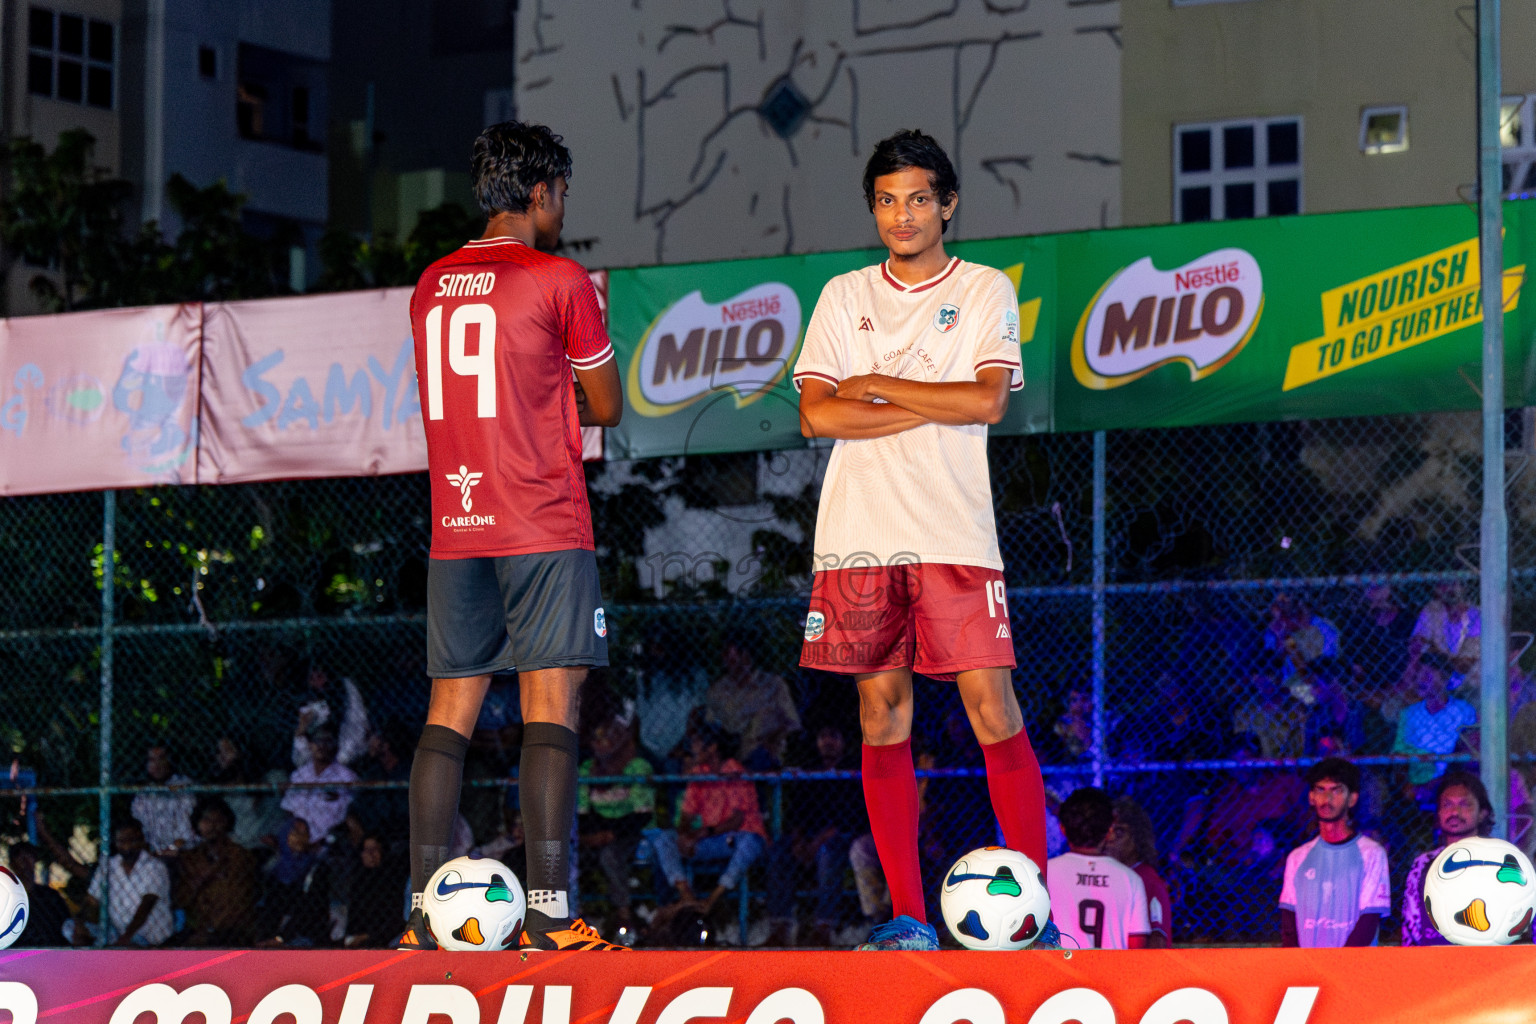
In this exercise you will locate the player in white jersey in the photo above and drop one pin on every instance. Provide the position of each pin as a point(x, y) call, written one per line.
point(1096, 901)
point(905, 364)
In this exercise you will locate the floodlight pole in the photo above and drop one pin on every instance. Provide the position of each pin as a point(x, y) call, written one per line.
point(1493, 560)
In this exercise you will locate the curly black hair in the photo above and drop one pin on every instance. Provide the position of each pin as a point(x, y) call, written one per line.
point(912, 148)
point(509, 159)
point(1086, 816)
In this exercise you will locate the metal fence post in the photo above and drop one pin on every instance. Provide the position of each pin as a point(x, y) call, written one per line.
point(104, 774)
point(1493, 560)
point(1099, 460)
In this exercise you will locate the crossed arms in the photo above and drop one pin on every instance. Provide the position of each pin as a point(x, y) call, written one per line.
point(848, 411)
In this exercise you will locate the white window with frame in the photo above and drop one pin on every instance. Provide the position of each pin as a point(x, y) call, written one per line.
point(1383, 130)
point(71, 58)
point(1517, 140)
point(1233, 170)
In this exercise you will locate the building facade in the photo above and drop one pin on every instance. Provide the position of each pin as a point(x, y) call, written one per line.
point(1240, 108)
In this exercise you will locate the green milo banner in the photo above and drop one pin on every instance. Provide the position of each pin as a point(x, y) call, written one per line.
point(1352, 314)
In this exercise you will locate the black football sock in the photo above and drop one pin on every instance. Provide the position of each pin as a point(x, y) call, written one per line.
point(436, 774)
point(546, 782)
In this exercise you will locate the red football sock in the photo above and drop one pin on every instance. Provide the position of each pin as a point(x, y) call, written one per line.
point(890, 794)
point(1018, 795)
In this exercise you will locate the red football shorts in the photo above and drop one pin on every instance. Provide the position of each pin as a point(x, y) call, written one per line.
point(932, 618)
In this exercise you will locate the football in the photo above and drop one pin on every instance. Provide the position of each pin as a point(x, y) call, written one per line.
point(474, 903)
point(1480, 892)
point(995, 898)
point(14, 906)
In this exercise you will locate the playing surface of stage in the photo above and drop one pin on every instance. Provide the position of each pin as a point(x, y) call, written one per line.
point(1262, 986)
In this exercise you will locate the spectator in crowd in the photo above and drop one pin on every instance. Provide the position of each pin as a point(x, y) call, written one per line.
point(1462, 810)
point(321, 809)
point(753, 706)
point(166, 816)
point(1073, 730)
point(1377, 640)
point(1298, 636)
point(1133, 843)
point(375, 909)
point(822, 820)
point(612, 817)
point(1272, 716)
point(1433, 725)
point(507, 844)
point(495, 749)
point(384, 812)
point(717, 821)
point(216, 880)
point(952, 816)
point(1096, 901)
point(336, 704)
point(48, 912)
point(1334, 712)
point(1337, 885)
point(667, 690)
point(1451, 627)
point(138, 893)
point(232, 767)
point(295, 907)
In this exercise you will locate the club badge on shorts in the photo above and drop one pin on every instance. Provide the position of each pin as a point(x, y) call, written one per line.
point(599, 623)
point(815, 625)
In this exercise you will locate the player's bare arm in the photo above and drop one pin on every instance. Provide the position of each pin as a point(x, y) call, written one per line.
point(824, 414)
point(954, 403)
point(600, 395)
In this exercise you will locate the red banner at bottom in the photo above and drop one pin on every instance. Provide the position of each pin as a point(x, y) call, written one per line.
point(1239, 986)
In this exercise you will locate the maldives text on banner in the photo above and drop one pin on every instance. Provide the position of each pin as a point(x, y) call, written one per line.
point(1447, 984)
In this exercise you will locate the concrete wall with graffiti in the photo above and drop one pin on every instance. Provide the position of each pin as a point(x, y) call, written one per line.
point(718, 129)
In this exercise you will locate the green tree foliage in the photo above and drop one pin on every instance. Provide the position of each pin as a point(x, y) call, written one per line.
point(63, 213)
point(351, 262)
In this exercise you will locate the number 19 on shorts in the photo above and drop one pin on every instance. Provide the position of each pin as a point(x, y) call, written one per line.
point(997, 598)
point(481, 365)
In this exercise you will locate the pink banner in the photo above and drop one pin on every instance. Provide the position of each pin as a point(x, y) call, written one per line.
point(315, 386)
point(98, 400)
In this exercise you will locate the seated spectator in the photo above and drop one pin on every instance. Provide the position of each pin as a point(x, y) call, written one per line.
point(48, 913)
point(752, 706)
point(384, 812)
point(822, 820)
point(232, 767)
point(295, 908)
point(1073, 731)
point(717, 821)
point(1462, 810)
point(1218, 827)
point(1431, 726)
point(166, 817)
point(1096, 901)
point(375, 909)
point(667, 691)
point(1451, 627)
point(1272, 716)
point(1298, 636)
point(321, 809)
point(336, 704)
point(1377, 635)
point(1334, 713)
point(138, 894)
point(1337, 886)
point(1133, 843)
point(216, 880)
point(612, 817)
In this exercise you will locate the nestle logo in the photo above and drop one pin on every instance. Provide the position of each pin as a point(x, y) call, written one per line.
point(1205, 277)
point(752, 309)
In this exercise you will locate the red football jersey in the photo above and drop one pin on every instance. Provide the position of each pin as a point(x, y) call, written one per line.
point(498, 327)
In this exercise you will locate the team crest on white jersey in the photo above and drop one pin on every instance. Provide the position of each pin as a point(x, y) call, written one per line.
point(599, 623)
point(464, 480)
point(946, 318)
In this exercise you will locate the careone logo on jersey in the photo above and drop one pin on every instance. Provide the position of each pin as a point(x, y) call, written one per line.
point(1201, 314)
point(694, 348)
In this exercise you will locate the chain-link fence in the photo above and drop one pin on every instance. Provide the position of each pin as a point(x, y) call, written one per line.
point(1195, 612)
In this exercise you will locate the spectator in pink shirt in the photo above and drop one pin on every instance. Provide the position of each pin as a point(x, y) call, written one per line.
point(718, 820)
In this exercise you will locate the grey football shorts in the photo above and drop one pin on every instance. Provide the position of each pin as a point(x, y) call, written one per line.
point(521, 612)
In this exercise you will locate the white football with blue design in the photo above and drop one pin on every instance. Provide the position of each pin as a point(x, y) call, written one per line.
point(995, 898)
point(474, 903)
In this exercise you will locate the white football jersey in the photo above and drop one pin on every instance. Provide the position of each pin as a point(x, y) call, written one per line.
point(1097, 901)
point(922, 495)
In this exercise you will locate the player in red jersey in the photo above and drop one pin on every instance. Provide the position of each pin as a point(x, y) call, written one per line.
point(499, 326)
point(905, 364)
